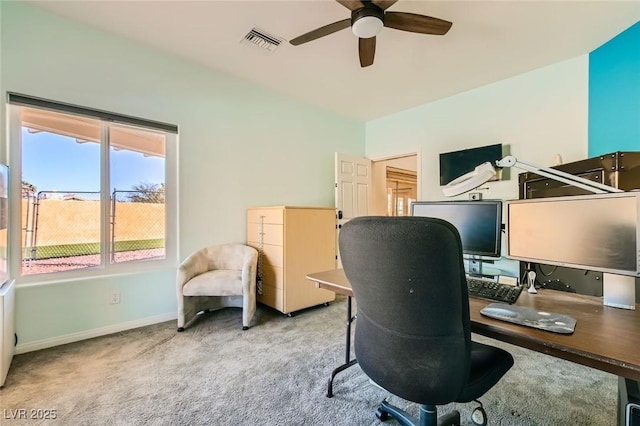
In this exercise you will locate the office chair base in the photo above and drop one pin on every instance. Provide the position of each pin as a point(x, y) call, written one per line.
point(428, 416)
point(479, 416)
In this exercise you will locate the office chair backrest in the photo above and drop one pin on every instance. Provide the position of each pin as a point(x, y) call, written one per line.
point(413, 333)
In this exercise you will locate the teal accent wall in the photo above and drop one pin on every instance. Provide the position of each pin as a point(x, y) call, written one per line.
point(614, 94)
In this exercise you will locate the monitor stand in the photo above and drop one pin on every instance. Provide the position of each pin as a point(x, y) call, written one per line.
point(478, 267)
point(619, 291)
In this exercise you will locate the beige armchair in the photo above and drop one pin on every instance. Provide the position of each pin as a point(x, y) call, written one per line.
point(217, 277)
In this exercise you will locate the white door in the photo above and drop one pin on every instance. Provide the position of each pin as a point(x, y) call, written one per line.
point(353, 189)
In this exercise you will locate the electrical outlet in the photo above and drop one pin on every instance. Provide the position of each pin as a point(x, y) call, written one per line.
point(475, 196)
point(115, 298)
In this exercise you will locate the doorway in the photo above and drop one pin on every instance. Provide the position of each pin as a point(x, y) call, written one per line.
point(374, 187)
point(394, 185)
point(402, 189)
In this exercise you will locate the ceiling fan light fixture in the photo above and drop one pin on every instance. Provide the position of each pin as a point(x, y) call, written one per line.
point(367, 27)
point(367, 22)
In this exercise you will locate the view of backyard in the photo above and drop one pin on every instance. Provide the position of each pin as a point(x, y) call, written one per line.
point(63, 233)
point(63, 230)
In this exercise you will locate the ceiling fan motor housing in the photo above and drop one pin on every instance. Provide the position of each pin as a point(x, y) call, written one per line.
point(367, 21)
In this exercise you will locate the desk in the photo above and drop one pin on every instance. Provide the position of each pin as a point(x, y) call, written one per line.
point(336, 281)
point(605, 338)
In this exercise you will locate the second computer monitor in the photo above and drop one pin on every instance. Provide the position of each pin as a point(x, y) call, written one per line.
point(479, 223)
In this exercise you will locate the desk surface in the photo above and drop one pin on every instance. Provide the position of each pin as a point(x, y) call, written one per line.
point(605, 338)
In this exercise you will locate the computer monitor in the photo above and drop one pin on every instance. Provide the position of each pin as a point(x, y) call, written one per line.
point(479, 224)
point(597, 232)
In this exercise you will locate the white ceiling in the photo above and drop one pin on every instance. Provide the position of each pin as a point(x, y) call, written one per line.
point(489, 41)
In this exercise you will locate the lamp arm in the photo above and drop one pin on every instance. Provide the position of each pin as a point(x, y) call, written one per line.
point(558, 175)
point(471, 180)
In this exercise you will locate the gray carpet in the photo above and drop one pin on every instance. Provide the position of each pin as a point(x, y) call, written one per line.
point(273, 374)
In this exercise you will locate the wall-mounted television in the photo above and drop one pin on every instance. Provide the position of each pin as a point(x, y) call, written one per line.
point(456, 163)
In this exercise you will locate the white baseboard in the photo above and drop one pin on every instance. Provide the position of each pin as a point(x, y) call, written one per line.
point(96, 332)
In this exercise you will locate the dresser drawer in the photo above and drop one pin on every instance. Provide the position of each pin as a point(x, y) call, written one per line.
point(271, 233)
point(272, 275)
point(265, 215)
point(272, 296)
point(272, 255)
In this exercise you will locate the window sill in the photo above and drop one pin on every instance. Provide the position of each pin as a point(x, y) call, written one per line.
point(97, 272)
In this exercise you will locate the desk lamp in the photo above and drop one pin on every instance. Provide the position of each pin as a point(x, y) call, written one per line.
point(485, 171)
point(619, 291)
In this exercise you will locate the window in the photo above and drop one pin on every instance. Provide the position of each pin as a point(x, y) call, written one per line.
point(136, 165)
point(97, 189)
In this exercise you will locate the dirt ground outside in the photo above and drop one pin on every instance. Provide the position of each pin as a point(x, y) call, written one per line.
point(79, 262)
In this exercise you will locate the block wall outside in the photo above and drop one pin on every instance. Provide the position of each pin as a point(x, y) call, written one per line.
point(77, 222)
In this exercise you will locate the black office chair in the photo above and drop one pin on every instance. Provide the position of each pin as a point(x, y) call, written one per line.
point(413, 334)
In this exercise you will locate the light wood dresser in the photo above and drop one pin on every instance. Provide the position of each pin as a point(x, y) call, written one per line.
point(292, 242)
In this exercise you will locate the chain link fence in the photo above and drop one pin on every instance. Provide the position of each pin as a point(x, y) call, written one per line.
point(137, 225)
point(61, 230)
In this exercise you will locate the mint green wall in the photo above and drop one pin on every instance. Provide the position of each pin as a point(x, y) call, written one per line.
point(539, 114)
point(239, 146)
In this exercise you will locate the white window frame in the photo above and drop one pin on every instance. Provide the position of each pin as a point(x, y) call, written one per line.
point(106, 268)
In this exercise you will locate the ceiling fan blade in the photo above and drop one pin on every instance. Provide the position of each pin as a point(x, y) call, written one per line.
point(351, 4)
point(384, 4)
point(321, 32)
point(367, 50)
point(416, 23)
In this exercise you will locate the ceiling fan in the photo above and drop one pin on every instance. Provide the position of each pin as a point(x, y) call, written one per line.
point(367, 19)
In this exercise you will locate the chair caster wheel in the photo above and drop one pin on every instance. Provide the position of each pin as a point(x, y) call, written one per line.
point(382, 415)
point(479, 417)
point(180, 329)
point(244, 327)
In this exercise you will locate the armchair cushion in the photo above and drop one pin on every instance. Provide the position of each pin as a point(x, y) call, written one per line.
point(215, 283)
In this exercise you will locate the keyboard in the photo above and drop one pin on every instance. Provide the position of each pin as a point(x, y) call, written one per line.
point(492, 290)
point(530, 317)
